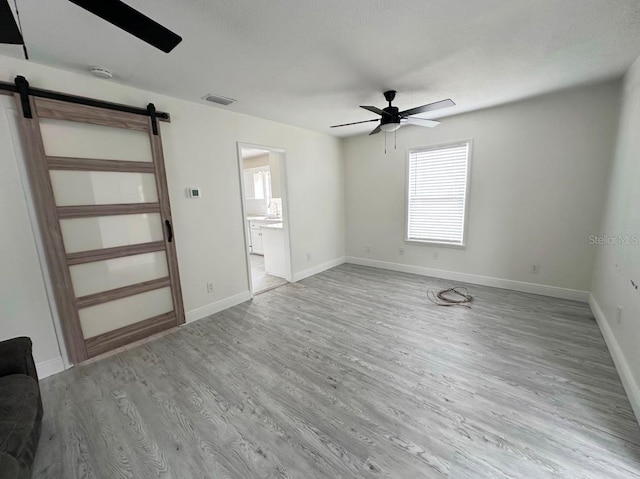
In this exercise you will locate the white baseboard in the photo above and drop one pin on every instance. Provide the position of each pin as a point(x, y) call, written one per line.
point(50, 367)
point(521, 286)
point(216, 307)
point(628, 381)
point(319, 268)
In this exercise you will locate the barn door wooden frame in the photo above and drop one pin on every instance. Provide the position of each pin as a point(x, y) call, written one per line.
point(64, 107)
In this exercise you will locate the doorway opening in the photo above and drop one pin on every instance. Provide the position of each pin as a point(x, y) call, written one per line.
point(265, 216)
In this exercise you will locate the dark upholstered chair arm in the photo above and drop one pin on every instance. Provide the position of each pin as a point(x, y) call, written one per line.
point(16, 358)
point(9, 468)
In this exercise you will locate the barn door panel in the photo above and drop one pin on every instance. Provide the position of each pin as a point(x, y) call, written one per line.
point(101, 195)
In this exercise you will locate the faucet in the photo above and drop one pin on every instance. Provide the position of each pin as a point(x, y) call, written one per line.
point(276, 205)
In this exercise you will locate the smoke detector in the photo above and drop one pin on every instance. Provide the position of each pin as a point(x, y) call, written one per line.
point(221, 100)
point(101, 72)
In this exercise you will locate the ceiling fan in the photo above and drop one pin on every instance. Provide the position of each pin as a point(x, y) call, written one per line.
point(391, 118)
point(113, 11)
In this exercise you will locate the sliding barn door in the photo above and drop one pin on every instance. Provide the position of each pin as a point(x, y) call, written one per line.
point(100, 191)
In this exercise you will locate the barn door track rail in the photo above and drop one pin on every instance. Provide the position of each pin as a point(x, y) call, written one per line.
point(21, 86)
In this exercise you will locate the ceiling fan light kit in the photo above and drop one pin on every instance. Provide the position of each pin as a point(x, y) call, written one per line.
point(391, 119)
point(388, 127)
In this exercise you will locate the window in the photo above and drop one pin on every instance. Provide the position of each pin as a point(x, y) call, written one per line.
point(437, 193)
point(257, 183)
point(262, 184)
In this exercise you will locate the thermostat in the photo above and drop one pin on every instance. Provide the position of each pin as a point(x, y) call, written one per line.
point(194, 192)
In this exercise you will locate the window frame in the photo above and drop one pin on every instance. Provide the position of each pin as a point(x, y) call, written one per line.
point(465, 217)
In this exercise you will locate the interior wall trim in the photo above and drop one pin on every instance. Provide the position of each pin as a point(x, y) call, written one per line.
point(50, 367)
point(521, 286)
point(622, 366)
point(318, 268)
point(216, 307)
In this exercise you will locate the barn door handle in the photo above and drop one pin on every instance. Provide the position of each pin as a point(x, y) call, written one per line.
point(169, 231)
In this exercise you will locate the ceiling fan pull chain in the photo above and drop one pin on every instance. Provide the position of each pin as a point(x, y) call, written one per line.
point(395, 140)
point(385, 142)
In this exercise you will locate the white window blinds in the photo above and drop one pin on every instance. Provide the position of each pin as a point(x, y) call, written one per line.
point(437, 190)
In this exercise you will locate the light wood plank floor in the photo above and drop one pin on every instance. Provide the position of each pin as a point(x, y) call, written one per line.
point(352, 373)
point(260, 279)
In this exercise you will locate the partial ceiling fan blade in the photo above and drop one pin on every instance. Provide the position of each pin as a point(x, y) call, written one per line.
point(132, 21)
point(354, 123)
point(373, 109)
point(421, 122)
point(376, 130)
point(9, 31)
point(425, 108)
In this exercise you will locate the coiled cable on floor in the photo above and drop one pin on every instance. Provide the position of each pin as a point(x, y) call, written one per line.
point(456, 296)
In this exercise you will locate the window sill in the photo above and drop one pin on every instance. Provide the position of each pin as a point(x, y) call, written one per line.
point(435, 243)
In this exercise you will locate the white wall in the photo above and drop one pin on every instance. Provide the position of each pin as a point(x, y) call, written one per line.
point(618, 263)
point(24, 308)
point(538, 183)
point(200, 150)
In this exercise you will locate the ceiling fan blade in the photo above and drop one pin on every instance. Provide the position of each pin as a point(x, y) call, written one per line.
point(425, 108)
point(422, 122)
point(373, 109)
point(376, 130)
point(354, 123)
point(9, 31)
point(132, 21)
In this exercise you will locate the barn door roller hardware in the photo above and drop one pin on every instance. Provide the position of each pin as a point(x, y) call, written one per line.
point(22, 87)
point(151, 109)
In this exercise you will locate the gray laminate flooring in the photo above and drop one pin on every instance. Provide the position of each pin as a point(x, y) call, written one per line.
point(260, 279)
point(352, 373)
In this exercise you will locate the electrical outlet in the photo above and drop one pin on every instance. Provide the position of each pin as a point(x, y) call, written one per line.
point(535, 268)
point(367, 249)
point(308, 256)
point(619, 314)
point(401, 251)
point(209, 287)
point(435, 255)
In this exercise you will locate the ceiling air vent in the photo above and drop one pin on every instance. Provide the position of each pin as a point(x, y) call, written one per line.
point(221, 100)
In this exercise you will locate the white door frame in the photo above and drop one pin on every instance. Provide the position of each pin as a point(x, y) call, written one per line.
point(8, 104)
point(286, 228)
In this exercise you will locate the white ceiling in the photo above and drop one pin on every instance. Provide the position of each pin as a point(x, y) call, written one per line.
point(310, 63)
